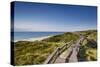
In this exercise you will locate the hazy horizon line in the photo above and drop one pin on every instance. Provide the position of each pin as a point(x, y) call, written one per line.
point(54, 31)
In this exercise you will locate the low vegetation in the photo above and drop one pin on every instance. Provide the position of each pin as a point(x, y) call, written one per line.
point(27, 53)
point(88, 50)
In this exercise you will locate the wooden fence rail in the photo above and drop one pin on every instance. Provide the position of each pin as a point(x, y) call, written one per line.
point(51, 58)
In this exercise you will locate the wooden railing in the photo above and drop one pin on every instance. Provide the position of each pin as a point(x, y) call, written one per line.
point(57, 52)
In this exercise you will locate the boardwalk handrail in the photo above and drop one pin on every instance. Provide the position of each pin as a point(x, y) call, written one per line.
point(51, 58)
point(48, 60)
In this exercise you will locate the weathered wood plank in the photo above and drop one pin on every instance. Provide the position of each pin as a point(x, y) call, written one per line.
point(51, 58)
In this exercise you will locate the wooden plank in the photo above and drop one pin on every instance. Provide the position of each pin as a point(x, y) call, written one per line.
point(51, 56)
point(56, 53)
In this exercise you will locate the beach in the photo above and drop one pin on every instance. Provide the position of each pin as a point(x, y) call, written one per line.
point(34, 39)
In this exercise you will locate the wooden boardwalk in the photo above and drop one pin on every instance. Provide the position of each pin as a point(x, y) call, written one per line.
point(64, 55)
point(73, 57)
point(68, 55)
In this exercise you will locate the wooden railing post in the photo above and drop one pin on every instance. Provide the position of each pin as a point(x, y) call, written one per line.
point(56, 53)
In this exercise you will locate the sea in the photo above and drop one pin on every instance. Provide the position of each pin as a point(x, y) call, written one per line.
point(26, 35)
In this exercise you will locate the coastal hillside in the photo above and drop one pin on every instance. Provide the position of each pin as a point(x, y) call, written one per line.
point(36, 52)
point(88, 49)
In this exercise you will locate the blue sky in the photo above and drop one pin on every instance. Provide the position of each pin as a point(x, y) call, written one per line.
point(50, 17)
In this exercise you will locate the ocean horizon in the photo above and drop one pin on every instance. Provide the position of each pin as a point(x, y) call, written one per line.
point(28, 35)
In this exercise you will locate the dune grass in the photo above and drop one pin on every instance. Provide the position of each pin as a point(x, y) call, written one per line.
point(27, 53)
point(88, 50)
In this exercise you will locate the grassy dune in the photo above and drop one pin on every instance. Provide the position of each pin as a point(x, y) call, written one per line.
point(27, 53)
point(88, 50)
point(32, 52)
